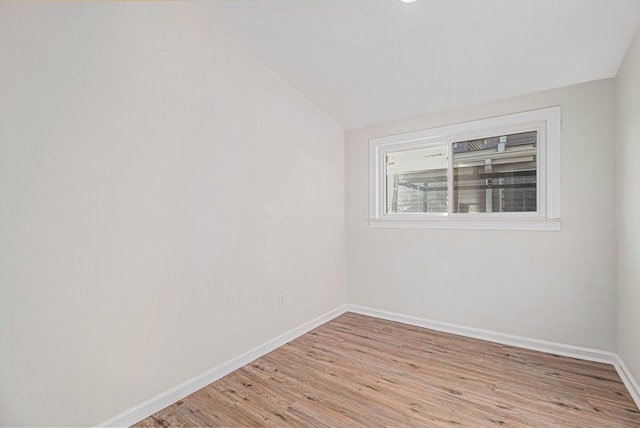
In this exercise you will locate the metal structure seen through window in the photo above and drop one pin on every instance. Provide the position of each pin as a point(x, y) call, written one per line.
point(490, 175)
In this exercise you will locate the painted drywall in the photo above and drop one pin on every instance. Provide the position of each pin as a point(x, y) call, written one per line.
point(159, 190)
point(555, 286)
point(628, 207)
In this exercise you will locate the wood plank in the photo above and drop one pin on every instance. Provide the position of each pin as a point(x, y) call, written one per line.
point(360, 371)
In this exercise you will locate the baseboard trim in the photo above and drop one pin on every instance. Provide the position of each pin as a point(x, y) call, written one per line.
point(628, 380)
point(492, 336)
point(160, 401)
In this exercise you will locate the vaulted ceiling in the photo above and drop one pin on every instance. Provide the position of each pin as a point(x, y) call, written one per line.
point(365, 62)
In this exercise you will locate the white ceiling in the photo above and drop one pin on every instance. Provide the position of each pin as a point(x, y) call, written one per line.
point(365, 62)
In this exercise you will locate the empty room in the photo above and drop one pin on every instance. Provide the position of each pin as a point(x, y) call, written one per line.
point(327, 213)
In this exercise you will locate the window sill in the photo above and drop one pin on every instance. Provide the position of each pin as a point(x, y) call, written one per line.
point(552, 225)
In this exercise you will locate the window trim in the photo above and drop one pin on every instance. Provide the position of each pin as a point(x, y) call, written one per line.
point(547, 122)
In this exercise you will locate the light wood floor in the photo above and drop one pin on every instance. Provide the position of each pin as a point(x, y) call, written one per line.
point(358, 371)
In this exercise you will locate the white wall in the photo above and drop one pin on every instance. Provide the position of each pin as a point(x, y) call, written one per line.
point(555, 286)
point(159, 190)
point(628, 205)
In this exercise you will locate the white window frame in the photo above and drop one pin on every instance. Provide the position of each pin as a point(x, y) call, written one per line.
point(547, 123)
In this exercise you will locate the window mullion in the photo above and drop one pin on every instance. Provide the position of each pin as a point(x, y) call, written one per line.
point(449, 178)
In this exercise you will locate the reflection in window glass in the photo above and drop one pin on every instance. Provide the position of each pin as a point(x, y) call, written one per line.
point(497, 174)
point(416, 181)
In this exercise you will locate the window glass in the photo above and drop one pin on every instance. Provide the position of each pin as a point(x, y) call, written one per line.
point(496, 174)
point(416, 180)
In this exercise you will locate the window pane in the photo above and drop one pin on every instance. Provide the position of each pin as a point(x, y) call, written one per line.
point(497, 174)
point(416, 181)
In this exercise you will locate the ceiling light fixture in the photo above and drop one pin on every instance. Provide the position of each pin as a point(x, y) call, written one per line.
point(407, 1)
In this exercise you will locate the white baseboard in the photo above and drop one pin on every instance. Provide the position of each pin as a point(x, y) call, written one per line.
point(492, 336)
point(159, 402)
point(628, 380)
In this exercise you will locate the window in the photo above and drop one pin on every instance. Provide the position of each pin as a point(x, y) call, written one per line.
point(498, 173)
